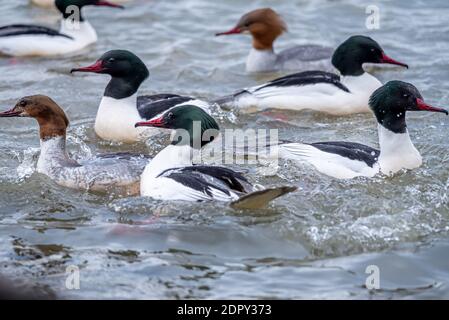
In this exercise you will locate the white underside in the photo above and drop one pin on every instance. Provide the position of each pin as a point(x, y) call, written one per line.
point(83, 35)
point(320, 97)
point(396, 153)
point(116, 119)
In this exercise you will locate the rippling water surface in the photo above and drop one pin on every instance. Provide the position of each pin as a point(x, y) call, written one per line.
point(315, 243)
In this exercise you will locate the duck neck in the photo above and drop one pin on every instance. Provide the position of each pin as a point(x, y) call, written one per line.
point(172, 156)
point(53, 151)
point(397, 151)
point(364, 82)
point(126, 103)
point(261, 60)
point(125, 87)
point(80, 30)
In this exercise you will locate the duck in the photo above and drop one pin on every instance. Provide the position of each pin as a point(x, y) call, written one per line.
point(120, 108)
point(51, 3)
point(101, 173)
point(75, 33)
point(171, 174)
point(347, 160)
point(337, 94)
point(265, 25)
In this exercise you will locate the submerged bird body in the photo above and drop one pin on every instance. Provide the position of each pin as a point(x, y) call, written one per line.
point(121, 107)
point(172, 176)
point(265, 26)
point(32, 40)
point(97, 174)
point(320, 91)
point(346, 160)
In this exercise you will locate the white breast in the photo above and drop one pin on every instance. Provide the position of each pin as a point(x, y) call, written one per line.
point(116, 119)
point(397, 152)
point(261, 61)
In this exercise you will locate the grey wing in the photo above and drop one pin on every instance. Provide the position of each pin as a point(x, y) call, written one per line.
point(100, 173)
point(306, 53)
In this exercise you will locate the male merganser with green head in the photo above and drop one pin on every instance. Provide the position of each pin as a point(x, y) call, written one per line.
point(74, 34)
point(172, 176)
point(120, 107)
point(98, 174)
point(265, 26)
point(345, 160)
point(320, 91)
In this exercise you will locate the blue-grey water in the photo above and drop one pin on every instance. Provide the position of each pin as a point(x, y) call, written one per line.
point(316, 243)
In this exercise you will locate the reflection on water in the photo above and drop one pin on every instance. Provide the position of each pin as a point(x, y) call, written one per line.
point(315, 243)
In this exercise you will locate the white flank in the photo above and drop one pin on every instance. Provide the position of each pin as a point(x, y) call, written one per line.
point(322, 97)
point(82, 33)
point(330, 164)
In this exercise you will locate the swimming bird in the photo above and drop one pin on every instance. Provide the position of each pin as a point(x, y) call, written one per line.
point(120, 108)
point(318, 90)
point(265, 26)
point(172, 176)
point(346, 160)
point(74, 34)
point(51, 3)
point(98, 174)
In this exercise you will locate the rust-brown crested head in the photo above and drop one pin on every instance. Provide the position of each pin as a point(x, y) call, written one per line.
point(264, 24)
point(51, 118)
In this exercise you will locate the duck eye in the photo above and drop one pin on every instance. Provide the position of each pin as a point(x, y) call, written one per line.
point(372, 49)
point(22, 103)
point(170, 115)
point(111, 60)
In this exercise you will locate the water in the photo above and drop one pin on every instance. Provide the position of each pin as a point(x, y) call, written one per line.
point(316, 243)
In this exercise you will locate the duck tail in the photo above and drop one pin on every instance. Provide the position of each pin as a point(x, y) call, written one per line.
point(260, 199)
point(227, 102)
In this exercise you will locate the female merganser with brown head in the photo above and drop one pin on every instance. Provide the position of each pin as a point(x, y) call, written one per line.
point(98, 174)
point(265, 26)
point(346, 160)
point(120, 108)
point(74, 34)
point(172, 176)
point(318, 90)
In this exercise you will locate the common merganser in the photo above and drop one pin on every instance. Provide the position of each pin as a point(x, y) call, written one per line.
point(318, 90)
point(120, 107)
point(51, 3)
point(172, 176)
point(74, 34)
point(265, 25)
point(346, 160)
point(99, 174)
